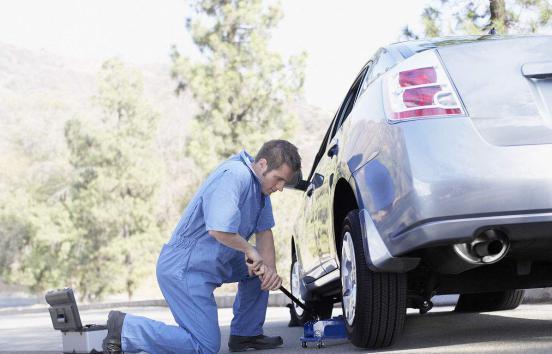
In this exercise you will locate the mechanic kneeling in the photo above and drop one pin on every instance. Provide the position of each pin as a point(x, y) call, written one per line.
point(209, 247)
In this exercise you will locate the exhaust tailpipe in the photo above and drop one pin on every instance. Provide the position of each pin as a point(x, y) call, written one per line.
point(488, 247)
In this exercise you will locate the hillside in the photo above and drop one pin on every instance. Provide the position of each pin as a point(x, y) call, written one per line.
point(39, 91)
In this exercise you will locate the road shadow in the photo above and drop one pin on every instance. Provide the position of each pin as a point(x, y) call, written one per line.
point(442, 329)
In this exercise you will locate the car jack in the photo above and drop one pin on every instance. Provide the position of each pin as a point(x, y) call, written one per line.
point(318, 331)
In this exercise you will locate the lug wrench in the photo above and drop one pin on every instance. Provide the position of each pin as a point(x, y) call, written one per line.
point(299, 303)
point(294, 299)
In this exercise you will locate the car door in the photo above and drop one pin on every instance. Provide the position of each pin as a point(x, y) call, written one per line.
point(306, 240)
point(325, 173)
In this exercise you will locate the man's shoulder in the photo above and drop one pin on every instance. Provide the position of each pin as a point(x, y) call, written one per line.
point(237, 170)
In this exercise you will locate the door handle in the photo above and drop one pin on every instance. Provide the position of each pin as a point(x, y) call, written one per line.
point(541, 70)
point(310, 189)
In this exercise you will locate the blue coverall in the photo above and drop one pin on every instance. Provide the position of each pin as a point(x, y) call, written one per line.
point(194, 263)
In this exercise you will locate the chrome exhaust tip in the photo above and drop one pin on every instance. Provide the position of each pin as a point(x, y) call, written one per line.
point(488, 247)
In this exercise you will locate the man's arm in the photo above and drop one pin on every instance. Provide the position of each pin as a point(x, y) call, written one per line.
point(270, 280)
point(265, 245)
point(237, 242)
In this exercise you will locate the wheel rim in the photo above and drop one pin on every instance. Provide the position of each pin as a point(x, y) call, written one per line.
point(295, 288)
point(348, 278)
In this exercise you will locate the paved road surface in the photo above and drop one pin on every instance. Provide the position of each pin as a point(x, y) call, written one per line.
point(527, 329)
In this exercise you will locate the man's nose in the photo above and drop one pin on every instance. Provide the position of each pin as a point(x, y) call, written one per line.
point(281, 186)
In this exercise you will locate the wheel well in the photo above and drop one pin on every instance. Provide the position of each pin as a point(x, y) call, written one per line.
point(344, 202)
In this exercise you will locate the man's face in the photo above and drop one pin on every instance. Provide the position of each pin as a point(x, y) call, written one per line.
point(274, 180)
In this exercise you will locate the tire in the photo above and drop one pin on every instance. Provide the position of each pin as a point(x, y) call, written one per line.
point(380, 300)
point(485, 302)
point(298, 316)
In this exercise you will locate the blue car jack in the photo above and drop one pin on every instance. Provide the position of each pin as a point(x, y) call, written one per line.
point(319, 331)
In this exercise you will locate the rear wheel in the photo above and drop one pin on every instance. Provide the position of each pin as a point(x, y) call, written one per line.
point(299, 317)
point(374, 304)
point(495, 301)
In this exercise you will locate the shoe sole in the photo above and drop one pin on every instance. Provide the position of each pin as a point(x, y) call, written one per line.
point(254, 346)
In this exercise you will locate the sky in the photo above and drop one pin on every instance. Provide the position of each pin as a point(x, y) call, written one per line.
point(339, 36)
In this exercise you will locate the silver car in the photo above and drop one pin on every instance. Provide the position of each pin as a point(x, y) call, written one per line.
point(434, 177)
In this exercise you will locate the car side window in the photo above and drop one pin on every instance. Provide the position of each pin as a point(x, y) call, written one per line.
point(349, 101)
point(341, 115)
point(321, 150)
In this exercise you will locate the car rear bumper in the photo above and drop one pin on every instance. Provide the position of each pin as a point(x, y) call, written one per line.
point(517, 227)
point(389, 256)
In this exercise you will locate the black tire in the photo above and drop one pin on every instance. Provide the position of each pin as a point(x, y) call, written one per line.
point(380, 310)
point(322, 307)
point(485, 302)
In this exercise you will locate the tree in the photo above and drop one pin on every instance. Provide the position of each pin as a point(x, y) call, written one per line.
point(242, 89)
point(33, 225)
point(33, 242)
point(445, 17)
point(112, 198)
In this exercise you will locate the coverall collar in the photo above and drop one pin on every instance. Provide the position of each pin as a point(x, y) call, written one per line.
point(248, 161)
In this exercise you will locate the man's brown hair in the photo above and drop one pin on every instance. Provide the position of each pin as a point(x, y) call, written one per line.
point(279, 152)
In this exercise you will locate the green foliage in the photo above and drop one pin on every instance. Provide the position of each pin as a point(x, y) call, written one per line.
point(429, 18)
point(478, 17)
point(33, 226)
point(111, 202)
point(33, 241)
point(242, 89)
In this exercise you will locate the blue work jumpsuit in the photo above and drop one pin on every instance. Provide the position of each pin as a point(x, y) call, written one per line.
point(194, 263)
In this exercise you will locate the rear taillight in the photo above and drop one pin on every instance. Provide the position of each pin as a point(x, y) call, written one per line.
point(420, 88)
point(417, 77)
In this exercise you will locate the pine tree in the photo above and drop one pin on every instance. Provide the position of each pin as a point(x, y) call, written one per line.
point(478, 17)
point(243, 90)
point(112, 198)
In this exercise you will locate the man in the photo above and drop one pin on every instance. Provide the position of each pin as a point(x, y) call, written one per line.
point(209, 247)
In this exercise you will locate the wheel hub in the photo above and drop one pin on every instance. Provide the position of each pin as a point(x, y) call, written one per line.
point(348, 278)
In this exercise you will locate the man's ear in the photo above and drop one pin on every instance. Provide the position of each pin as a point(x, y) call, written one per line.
point(263, 164)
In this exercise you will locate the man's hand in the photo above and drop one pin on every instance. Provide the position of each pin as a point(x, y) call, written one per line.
point(270, 280)
point(253, 260)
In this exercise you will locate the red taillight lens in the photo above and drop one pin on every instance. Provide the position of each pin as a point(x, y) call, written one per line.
point(422, 96)
point(426, 112)
point(419, 88)
point(422, 76)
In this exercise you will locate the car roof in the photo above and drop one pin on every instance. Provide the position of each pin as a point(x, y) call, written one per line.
point(408, 48)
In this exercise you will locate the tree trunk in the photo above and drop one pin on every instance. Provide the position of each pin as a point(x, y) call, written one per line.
point(498, 16)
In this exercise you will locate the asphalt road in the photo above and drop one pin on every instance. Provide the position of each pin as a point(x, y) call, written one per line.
point(527, 329)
